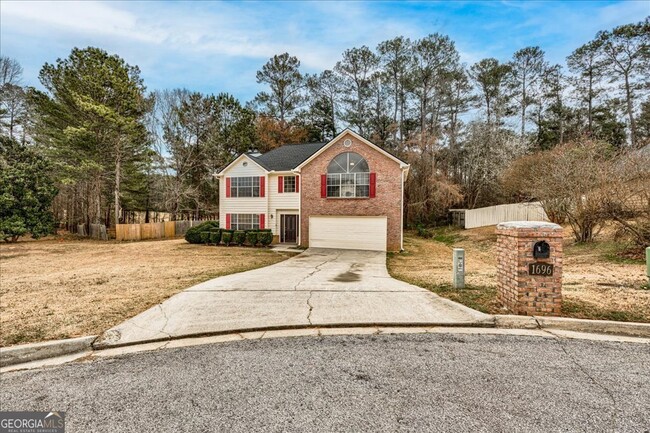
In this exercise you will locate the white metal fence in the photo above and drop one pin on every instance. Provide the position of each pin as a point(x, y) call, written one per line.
point(492, 215)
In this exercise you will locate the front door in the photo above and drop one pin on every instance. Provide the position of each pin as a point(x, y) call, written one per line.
point(289, 228)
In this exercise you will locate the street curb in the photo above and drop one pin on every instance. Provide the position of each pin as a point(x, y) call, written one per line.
point(629, 329)
point(51, 349)
point(101, 344)
point(48, 349)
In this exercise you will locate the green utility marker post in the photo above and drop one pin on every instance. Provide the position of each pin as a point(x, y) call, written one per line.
point(459, 268)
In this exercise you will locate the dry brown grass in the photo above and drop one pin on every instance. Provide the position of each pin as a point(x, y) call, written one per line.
point(60, 288)
point(598, 283)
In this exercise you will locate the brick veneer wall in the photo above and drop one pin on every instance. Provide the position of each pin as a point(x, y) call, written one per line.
point(387, 201)
point(520, 292)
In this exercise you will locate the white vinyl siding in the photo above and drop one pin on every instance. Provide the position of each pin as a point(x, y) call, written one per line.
point(242, 205)
point(280, 203)
point(348, 232)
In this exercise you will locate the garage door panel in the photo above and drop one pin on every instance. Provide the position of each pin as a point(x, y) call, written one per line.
point(358, 233)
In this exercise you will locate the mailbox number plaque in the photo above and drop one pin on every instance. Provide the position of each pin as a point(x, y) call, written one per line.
point(544, 269)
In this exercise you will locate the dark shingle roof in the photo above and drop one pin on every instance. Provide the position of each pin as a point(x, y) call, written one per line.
point(287, 157)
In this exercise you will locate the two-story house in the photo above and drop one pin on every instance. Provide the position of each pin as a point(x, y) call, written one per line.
point(346, 193)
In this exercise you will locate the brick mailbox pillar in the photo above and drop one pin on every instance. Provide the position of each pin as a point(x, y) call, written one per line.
point(529, 267)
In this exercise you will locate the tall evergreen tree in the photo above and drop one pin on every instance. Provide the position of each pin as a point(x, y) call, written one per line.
point(489, 77)
point(626, 59)
point(356, 70)
point(282, 74)
point(92, 117)
point(526, 69)
point(396, 59)
point(583, 62)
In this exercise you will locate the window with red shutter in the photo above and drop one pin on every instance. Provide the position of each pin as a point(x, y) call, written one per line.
point(373, 185)
point(262, 186)
point(227, 187)
point(323, 185)
point(280, 184)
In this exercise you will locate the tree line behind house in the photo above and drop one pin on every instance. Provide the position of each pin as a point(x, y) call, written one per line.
point(475, 135)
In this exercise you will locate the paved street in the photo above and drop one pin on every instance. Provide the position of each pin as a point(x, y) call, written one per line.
point(408, 382)
point(318, 287)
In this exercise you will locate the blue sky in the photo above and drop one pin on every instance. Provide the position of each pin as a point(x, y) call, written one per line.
point(218, 46)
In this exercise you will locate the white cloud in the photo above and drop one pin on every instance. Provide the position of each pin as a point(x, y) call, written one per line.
point(219, 45)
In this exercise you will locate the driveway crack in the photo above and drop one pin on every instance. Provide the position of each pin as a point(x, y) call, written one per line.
point(316, 269)
point(162, 328)
point(311, 307)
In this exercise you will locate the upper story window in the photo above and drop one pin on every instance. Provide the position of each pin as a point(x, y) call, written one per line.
point(245, 186)
point(289, 184)
point(348, 176)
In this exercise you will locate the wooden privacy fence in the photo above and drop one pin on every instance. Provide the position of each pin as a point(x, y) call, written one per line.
point(97, 231)
point(492, 215)
point(167, 229)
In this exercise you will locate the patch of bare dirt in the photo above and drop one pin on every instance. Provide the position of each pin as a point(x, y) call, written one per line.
point(61, 288)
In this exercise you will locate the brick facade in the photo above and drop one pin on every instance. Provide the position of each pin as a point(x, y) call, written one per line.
point(520, 292)
point(387, 202)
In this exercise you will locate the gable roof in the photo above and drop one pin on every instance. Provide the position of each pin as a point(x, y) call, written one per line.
point(401, 163)
point(234, 161)
point(287, 157)
point(294, 156)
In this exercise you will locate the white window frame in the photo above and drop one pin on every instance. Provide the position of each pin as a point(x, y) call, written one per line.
point(247, 184)
point(244, 221)
point(284, 184)
point(351, 184)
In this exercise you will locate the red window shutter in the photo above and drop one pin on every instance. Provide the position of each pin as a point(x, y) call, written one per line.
point(373, 185)
point(262, 221)
point(227, 221)
point(323, 185)
point(262, 186)
point(297, 183)
point(280, 184)
point(227, 187)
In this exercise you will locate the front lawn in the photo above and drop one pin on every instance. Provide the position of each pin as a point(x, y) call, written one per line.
point(66, 287)
point(600, 281)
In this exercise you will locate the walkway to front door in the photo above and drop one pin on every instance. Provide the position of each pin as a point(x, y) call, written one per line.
point(288, 228)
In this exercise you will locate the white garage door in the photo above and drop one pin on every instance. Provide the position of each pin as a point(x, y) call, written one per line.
point(350, 233)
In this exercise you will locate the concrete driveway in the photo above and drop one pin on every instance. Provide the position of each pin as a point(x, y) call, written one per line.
point(320, 287)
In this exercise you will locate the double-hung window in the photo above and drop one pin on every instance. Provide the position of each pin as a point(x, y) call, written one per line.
point(244, 221)
point(245, 186)
point(289, 184)
point(348, 176)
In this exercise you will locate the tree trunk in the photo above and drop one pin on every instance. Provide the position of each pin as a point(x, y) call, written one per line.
point(630, 110)
point(523, 113)
point(118, 164)
point(590, 97)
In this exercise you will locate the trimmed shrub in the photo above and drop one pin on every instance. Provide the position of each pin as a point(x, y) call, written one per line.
point(226, 237)
point(193, 234)
point(265, 238)
point(252, 237)
point(215, 236)
point(239, 237)
point(205, 237)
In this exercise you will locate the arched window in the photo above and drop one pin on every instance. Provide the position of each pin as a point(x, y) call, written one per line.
point(348, 176)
